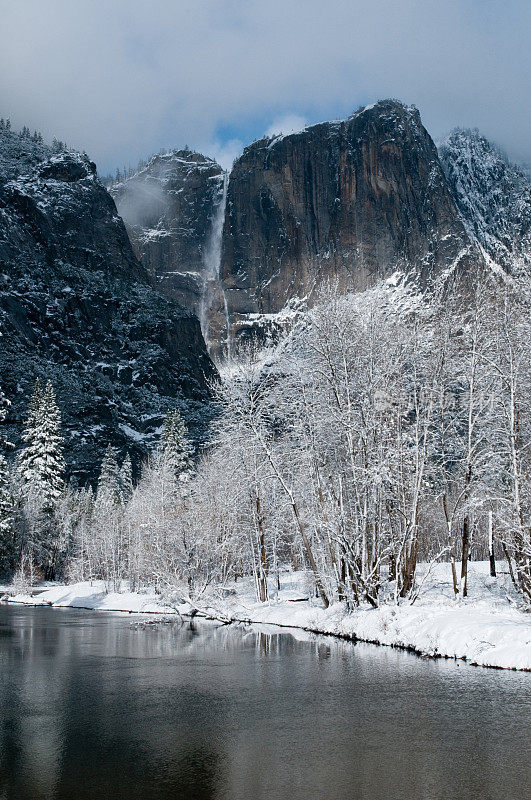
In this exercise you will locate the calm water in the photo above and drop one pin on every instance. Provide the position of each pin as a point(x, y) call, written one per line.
point(92, 707)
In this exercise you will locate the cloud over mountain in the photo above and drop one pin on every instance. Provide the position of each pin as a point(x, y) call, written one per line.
point(122, 79)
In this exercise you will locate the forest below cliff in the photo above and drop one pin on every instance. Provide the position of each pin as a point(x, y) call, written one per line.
point(383, 431)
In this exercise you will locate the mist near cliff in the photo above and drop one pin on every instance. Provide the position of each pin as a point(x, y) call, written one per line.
point(123, 79)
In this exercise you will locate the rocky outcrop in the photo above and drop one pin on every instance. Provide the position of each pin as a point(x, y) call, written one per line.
point(492, 195)
point(351, 201)
point(77, 306)
point(168, 208)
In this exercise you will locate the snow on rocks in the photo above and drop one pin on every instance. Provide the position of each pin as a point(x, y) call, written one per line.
point(492, 196)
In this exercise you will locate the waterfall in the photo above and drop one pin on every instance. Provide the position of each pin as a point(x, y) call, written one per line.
point(212, 262)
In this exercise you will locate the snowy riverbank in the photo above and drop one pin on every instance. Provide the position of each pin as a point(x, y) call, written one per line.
point(487, 629)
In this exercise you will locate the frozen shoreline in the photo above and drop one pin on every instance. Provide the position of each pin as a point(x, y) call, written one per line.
point(487, 629)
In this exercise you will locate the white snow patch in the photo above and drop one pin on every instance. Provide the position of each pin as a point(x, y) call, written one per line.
point(92, 596)
point(289, 123)
point(131, 433)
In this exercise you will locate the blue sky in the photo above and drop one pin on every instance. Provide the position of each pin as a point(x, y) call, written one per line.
point(123, 78)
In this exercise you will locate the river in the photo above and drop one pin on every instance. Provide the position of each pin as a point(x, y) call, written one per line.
point(95, 705)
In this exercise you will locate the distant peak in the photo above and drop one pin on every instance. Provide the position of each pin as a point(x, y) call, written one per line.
point(182, 155)
point(66, 167)
point(492, 194)
point(472, 143)
point(386, 106)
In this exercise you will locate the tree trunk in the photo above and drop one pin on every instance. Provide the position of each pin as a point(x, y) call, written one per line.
point(465, 541)
point(464, 555)
point(262, 571)
point(510, 565)
point(309, 554)
point(491, 548)
point(409, 564)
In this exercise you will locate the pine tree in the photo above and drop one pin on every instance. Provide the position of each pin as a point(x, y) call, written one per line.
point(175, 445)
point(5, 405)
point(41, 463)
point(7, 502)
point(109, 483)
point(7, 508)
point(126, 480)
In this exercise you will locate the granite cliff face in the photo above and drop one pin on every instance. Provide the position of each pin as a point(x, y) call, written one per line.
point(351, 201)
point(168, 208)
point(78, 307)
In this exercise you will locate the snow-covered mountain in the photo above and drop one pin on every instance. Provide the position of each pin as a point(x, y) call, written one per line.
point(168, 207)
point(492, 195)
point(77, 307)
point(350, 201)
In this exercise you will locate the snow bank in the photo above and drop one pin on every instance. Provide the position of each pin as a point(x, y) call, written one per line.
point(479, 635)
point(93, 597)
point(486, 629)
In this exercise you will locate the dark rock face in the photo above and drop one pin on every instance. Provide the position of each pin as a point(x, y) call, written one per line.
point(492, 195)
point(168, 208)
point(351, 201)
point(76, 306)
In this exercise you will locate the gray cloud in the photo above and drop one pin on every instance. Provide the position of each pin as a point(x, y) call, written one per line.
point(287, 123)
point(122, 78)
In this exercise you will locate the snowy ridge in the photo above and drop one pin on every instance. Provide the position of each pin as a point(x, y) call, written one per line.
point(164, 166)
point(19, 153)
point(492, 196)
point(278, 137)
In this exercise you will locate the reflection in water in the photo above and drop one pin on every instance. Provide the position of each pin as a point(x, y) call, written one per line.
point(92, 706)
